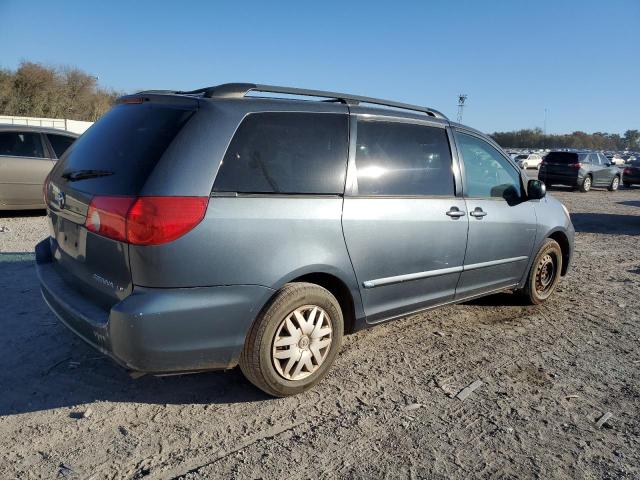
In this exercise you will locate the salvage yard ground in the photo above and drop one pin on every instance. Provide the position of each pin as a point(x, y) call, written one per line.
point(544, 376)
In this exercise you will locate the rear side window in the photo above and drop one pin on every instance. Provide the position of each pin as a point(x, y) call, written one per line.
point(284, 152)
point(60, 143)
point(21, 144)
point(127, 142)
point(399, 159)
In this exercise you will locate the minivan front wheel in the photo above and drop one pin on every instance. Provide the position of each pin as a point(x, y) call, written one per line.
point(545, 273)
point(615, 183)
point(294, 340)
point(586, 184)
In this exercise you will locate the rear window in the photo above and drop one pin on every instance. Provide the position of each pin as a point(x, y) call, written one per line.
point(562, 157)
point(127, 142)
point(522, 157)
point(60, 143)
point(284, 152)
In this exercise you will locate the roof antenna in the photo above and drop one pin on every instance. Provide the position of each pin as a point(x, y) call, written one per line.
point(461, 99)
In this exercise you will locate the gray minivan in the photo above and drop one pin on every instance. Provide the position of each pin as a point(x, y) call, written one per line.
point(200, 230)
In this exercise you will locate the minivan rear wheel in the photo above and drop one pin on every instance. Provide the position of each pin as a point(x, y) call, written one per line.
point(544, 274)
point(294, 341)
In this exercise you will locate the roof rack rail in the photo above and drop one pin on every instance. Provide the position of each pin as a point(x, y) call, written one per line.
point(240, 90)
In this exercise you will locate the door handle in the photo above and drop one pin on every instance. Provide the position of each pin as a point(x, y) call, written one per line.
point(455, 212)
point(478, 213)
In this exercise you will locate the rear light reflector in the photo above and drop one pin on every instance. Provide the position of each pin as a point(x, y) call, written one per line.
point(145, 220)
point(45, 190)
point(107, 216)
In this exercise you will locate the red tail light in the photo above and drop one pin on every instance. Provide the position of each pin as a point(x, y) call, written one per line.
point(626, 171)
point(576, 165)
point(45, 190)
point(145, 220)
point(153, 220)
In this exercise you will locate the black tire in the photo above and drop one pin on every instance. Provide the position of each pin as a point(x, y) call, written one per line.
point(586, 184)
point(539, 288)
point(257, 362)
point(615, 184)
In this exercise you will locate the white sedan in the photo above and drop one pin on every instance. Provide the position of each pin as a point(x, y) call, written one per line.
point(531, 160)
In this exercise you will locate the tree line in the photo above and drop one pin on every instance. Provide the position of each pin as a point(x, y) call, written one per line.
point(36, 90)
point(535, 138)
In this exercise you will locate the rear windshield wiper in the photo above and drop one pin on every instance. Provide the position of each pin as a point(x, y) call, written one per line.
point(82, 174)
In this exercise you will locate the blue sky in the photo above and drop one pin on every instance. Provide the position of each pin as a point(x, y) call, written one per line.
point(578, 59)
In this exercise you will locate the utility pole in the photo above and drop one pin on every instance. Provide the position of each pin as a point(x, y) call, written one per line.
point(544, 141)
point(461, 99)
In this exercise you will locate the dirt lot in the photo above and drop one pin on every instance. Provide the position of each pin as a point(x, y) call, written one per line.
point(549, 373)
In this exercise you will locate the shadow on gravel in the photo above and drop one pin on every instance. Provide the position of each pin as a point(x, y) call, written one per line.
point(502, 299)
point(630, 203)
point(22, 213)
point(559, 188)
point(45, 366)
point(607, 223)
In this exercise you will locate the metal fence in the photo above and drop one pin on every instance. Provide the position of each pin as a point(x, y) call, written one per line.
point(76, 126)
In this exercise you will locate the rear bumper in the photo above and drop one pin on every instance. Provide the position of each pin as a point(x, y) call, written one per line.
point(158, 330)
point(634, 179)
point(569, 180)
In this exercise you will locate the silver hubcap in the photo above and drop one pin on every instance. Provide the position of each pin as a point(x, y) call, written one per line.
point(615, 183)
point(302, 342)
point(587, 183)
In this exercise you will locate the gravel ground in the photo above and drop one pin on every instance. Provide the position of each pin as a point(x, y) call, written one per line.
point(388, 409)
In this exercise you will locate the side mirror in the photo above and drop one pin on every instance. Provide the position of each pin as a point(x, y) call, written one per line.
point(536, 189)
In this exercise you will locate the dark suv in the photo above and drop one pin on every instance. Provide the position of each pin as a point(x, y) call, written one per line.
point(632, 174)
point(581, 170)
point(201, 230)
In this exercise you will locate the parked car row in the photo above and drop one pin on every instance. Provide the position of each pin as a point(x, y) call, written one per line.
point(531, 158)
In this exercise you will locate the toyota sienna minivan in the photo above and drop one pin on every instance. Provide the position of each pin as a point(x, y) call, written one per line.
point(201, 230)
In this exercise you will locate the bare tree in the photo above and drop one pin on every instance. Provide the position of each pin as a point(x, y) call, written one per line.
point(35, 90)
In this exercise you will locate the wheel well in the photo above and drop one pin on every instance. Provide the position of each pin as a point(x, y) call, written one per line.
point(339, 290)
point(562, 240)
